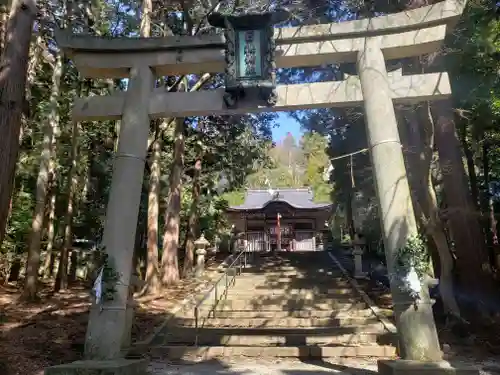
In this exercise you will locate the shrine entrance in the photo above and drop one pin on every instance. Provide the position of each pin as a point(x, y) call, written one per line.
point(286, 220)
point(367, 43)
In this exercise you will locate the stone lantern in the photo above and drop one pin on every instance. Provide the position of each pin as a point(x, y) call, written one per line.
point(359, 243)
point(250, 48)
point(200, 245)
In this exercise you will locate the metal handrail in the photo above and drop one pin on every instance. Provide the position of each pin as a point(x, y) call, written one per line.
point(226, 280)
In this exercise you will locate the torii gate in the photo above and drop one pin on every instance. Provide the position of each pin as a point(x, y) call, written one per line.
point(368, 43)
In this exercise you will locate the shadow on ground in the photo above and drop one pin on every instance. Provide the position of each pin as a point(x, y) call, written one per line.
point(291, 285)
point(253, 367)
point(34, 336)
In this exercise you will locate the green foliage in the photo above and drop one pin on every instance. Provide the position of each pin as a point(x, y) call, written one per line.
point(212, 219)
point(314, 147)
point(293, 165)
point(476, 64)
point(413, 255)
point(235, 198)
point(346, 239)
point(19, 225)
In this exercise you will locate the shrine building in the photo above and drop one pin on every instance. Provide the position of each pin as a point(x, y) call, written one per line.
point(280, 219)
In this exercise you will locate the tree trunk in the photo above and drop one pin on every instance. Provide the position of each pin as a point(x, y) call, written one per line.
point(488, 206)
point(62, 272)
point(33, 262)
point(435, 224)
point(411, 134)
point(48, 262)
point(420, 145)
point(152, 265)
point(33, 67)
point(411, 138)
point(147, 10)
point(117, 137)
point(73, 268)
point(15, 270)
point(494, 232)
point(12, 95)
point(471, 167)
point(170, 258)
point(31, 75)
point(192, 230)
point(436, 228)
point(349, 214)
point(139, 261)
point(461, 212)
point(152, 270)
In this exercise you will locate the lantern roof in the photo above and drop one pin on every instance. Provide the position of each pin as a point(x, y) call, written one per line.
point(202, 241)
point(245, 17)
point(301, 198)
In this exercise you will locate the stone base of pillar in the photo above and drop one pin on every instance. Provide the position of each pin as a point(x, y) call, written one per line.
point(406, 367)
point(118, 366)
point(127, 338)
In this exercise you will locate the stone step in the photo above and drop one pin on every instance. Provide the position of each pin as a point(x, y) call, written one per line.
point(284, 290)
point(249, 287)
point(269, 314)
point(285, 278)
point(289, 271)
point(237, 296)
point(283, 305)
point(303, 352)
point(251, 340)
point(286, 322)
point(292, 272)
point(372, 327)
point(292, 294)
point(276, 336)
point(286, 307)
point(291, 291)
point(290, 275)
point(274, 310)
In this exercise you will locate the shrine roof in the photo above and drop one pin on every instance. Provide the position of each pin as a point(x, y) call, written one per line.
point(301, 198)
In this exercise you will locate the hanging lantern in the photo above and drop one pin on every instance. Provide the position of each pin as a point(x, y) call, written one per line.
point(250, 48)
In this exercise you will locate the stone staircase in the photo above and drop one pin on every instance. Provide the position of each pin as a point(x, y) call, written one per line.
point(284, 305)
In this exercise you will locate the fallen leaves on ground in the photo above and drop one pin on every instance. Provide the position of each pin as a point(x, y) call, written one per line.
point(481, 337)
point(34, 336)
point(379, 294)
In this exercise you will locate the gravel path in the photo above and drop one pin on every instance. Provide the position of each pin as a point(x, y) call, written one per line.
point(246, 366)
point(262, 367)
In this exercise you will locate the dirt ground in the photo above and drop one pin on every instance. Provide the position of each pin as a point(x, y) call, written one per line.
point(479, 340)
point(35, 336)
point(38, 335)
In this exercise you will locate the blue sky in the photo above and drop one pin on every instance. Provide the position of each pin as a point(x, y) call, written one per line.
point(286, 124)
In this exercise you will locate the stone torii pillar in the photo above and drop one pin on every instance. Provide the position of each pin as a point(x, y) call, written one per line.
point(418, 339)
point(107, 326)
